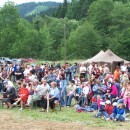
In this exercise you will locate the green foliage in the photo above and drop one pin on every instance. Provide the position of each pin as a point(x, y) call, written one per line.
point(82, 41)
point(89, 26)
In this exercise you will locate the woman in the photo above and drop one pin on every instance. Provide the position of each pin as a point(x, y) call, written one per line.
point(70, 92)
point(53, 95)
point(4, 75)
point(83, 70)
point(23, 96)
point(9, 95)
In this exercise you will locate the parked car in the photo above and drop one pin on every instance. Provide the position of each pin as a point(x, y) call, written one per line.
point(5, 60)
point(17, 61)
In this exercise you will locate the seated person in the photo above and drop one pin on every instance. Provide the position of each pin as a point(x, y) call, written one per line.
point(39, 92)
point(53, 95)
point(9, 94)
point(23, 96)
point(70, 92)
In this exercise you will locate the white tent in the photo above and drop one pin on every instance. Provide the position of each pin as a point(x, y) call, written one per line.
point(93, 58)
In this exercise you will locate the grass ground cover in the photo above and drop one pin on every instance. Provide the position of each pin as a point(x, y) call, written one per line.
point(68, 115)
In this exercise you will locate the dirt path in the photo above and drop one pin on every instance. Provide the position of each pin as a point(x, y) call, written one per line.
point(9, 122)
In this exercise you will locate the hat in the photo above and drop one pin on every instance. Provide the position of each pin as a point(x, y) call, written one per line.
point(115, 104)
point(108, 102)
point(102, 103)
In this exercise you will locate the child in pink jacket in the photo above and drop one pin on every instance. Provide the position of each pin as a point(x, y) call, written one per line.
point(127, 96)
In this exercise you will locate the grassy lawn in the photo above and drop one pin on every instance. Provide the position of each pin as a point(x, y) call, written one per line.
point(68, 115)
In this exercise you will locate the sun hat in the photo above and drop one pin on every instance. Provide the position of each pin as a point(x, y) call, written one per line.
point(115, 104)
point(108, 102)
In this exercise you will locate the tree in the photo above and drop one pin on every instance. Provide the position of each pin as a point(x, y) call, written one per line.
point(84, 41)
point(9, 20)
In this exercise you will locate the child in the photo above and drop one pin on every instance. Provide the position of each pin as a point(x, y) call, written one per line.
point(94, 104)
point(127, 96)
point(99, 99)
point(120, 113)
point(114, 112)
point(109, 107)
point(102, 111)
point(85, 93)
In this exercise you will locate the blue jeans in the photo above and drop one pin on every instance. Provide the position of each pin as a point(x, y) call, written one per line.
point(69, 99)
point(120, 117)
point(67, 78)
point(112, 116)
point(105, 114)
point(63, 98)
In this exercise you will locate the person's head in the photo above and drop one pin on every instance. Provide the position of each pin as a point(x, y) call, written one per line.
point(117, 68)
point(72, 82)
point(50, 71)
point(85, 84)
point(98, 82)
point(108, 102)
point(35, 82)
point(115, 104)
point(24, 85)
point(53, 85)
point(98, 97)
point(44, 81)
point(9, 84)
point(121, 105)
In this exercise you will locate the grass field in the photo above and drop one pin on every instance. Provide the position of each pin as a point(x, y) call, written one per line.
point(68, 115)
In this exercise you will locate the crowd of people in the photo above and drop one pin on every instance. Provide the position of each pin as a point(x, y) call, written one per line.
point(93, 87)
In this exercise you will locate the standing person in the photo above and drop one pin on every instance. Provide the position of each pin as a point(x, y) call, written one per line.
point(63, 84)
point(18, 73)
point(86, 91)
point(67, 73)
point(82, 70)
point(127, 96)
point(70, 92)
point(23, 96)
point(4, 76)
point(117, 73)
point(106, 70)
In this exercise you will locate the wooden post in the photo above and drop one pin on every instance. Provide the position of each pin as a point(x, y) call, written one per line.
point(47, 102)
point(65, 43)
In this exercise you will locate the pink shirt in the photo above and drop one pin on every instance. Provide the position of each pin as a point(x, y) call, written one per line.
point(114, 90)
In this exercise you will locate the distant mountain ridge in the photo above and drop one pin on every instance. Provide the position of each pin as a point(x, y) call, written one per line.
point(33, 8)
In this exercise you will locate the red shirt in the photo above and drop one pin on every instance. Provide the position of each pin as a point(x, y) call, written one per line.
point(24, 93)
point(109, 109)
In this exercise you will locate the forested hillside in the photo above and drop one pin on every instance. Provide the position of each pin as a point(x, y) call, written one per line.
point(32, 9)
point(87, 26)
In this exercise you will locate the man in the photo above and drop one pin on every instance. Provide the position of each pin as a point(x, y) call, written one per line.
point(117, 74)
point(39, 92)
point(51, 77)
point(106, 69)
point(19, 73)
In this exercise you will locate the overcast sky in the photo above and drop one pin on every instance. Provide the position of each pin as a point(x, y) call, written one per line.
point(25, 1)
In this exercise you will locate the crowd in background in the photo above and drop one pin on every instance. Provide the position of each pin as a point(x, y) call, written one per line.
point(93, 87)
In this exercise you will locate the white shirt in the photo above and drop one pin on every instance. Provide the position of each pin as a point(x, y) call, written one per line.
point(32, 77)
point(123, 68)
point(26, 72)
point(86, 90)
point(82, 69)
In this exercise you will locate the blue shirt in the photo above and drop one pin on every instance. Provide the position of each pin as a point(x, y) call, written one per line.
point(120, 111)
point(54, 92)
